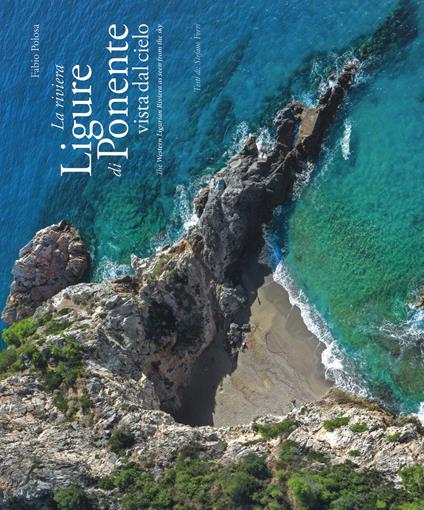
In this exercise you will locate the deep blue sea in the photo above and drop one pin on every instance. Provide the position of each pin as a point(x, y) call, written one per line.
point(352, 242)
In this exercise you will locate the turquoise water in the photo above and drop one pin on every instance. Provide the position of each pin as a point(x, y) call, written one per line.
point(248, 59)
point(353, 240)
point(355, 235)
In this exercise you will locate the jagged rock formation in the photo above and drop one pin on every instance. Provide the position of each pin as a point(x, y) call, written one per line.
point(55, 258)
point(98, 362)
point(108, 355)
point(43, 452)
point(242, 196)
point(155, 324)
point(178, 300)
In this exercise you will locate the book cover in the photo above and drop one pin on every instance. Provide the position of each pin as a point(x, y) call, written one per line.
point(212, 283)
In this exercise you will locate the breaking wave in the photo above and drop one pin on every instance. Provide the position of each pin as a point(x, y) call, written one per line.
point(108, 270)
point(337, 365)
point(238, 139)
point(183, 207)
point(409, 332)
point(264, 140)
point(302, 179)
point(420, 414)
point(183, 216)
point(345, 141)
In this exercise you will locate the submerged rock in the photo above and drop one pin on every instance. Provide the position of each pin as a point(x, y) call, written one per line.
point(55, 258)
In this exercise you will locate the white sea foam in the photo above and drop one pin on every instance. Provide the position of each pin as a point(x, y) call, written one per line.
point(308, 99)
point(409, 331)
point(420, 414)
point(312, 319)
point(238, 139)
point(183, 207)
point(362, 76)
point(302, 179)
point(182, 217)
point(340, 61)
point(345, 141)
point(264, 140)
point(337, 365)
point(304, 175)
point(108, 270)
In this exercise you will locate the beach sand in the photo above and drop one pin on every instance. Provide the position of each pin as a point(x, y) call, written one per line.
point(280, 368)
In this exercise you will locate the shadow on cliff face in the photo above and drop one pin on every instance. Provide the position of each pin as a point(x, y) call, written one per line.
point(215, 363)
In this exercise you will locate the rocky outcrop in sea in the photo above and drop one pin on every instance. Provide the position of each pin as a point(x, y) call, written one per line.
point(94, 371)
point(55, 258)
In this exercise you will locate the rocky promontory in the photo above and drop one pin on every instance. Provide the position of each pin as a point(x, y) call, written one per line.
point(55, 258)
point(94, 372)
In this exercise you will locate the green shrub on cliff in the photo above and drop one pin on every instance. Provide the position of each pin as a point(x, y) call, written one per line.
point(121, 440)
point(354, 453)
point(60, 402)
point(283, 428)
point(331, 425)
point(160, 265)
point(413, 480)
point(302, 492)
point(342, 487)
point(63, 311)
point(241, 488)
point(290, 454)
point(17, 333)
point(56, 327)
point(20, 332)
point(72, 498)
point(255, 465)
point(64, 367)
point(7, 358)
point(12, 359)
point(393, 438)
point(58, 366)
point(299, 480)
point(191, 483)
point(359, 427)
point(85, 403)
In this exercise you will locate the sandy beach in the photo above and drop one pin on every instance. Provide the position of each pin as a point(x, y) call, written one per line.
point(280, 367)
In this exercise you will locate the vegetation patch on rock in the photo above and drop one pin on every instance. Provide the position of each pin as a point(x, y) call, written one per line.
point(299, 480)
point(359, 427)
point(280, 429)
point(121, 440)
point(332, 425)
point(58, 365)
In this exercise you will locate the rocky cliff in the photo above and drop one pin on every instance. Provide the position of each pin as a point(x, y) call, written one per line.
point(94, 372)
point(55, 258)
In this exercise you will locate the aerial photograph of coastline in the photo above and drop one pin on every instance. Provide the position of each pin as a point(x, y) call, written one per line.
point(212, 240)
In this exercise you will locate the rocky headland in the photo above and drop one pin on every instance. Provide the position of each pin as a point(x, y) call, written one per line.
point(95, 372)
point(55, 258)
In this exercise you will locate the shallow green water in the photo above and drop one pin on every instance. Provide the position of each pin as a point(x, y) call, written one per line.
point(355, 237)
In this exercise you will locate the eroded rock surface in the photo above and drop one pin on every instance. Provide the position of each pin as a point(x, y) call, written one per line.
point(43, 452)
point(105, 357)
point(101, 358)
point(55, 258)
